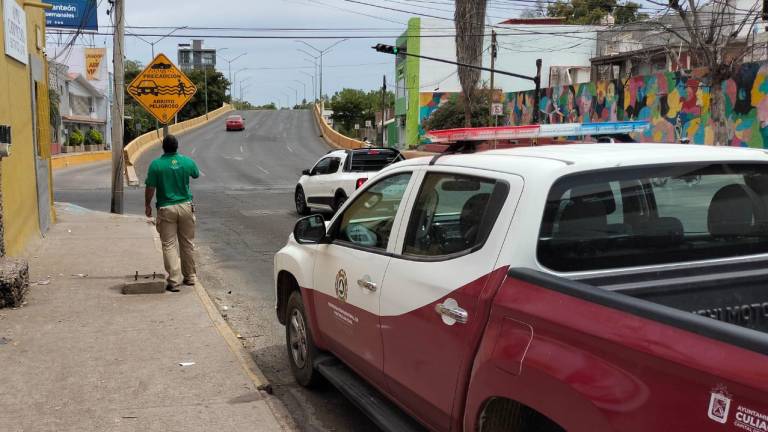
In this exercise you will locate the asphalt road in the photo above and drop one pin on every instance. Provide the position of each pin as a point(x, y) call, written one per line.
point(245, 210)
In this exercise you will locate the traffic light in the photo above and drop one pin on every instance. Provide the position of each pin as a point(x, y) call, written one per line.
point(389, 49)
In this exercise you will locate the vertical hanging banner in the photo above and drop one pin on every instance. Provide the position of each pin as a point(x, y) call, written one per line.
point(93, 58)
point(15, 24)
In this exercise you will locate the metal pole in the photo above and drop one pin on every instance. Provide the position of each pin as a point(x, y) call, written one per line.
point(118, 108)
point(321, 75)
point(205, 74)
point(383, 110)
point(536, 94)
point(493, 66)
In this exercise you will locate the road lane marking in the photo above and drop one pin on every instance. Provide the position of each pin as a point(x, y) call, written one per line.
point(289, 148)
point(241, 149)
point(201, 172)
point(265, 171)
point(194, 149)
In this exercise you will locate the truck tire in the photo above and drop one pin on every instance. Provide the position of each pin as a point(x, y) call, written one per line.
point(502, 415)
point(301, 347)
point(301, 202)
point(339, 201)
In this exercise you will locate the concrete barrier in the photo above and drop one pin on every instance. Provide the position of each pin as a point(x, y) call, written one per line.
point(71, 159)
point(135, 148)
point(339, 141)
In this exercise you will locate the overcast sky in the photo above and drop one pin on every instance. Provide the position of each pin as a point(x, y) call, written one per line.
point(351, 64)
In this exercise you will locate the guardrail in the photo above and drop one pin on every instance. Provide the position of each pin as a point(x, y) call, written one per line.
point(135, 148)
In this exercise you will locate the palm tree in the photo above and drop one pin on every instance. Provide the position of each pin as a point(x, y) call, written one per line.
point(470, 28)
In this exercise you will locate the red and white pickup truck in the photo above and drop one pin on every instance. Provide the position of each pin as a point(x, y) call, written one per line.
point(580, 287)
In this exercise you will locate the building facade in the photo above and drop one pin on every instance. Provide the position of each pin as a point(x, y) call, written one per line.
point(81, 105)
point(195, 57)
point(423, 85)
point(25, 186)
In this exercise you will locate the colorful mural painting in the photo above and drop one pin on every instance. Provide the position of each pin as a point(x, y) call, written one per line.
point(676, 104)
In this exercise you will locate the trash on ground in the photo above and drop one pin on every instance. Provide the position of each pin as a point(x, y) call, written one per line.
point(225, 308)
point(80, 275)
point(4, 340)
point(186, 363)
point(239, 336)
point(42, 282)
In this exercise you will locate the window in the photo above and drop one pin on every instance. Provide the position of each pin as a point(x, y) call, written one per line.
point(655, 215)
point(327, 165)
point(371, 160)
point(368, 220)
point(452, 214)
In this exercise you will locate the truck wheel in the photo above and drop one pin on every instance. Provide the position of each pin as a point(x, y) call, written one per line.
point(301, 202)
point(338, 201)
point(301, 346)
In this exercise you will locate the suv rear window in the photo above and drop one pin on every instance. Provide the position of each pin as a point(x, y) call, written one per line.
point(655, 215)
point(368, 160)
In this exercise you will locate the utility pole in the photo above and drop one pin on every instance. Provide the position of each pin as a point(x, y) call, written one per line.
point(383, 110)
point(205, 79)
point(117, 107)
point(494, 54)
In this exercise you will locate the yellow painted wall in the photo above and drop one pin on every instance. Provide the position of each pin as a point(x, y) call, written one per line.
point(19, 188)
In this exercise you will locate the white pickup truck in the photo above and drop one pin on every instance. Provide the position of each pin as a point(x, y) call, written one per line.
point(337, 175)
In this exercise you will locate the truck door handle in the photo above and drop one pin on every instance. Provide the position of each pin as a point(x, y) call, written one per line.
point(451, 312)
point(366, 284)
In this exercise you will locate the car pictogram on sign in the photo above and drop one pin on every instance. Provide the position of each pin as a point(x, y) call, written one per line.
point(147, 87)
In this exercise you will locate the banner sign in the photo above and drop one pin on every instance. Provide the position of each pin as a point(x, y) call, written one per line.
point(93, 58)
point(15, 24)
point(72, 14)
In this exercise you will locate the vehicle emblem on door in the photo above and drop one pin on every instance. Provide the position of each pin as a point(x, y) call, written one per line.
point(719, 404)
point(341, 285)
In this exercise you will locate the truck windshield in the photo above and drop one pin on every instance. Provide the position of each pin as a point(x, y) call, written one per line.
point(632, 217)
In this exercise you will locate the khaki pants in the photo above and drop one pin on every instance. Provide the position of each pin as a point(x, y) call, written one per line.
point(176, 225)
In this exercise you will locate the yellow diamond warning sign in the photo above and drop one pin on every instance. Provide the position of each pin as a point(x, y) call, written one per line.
point(162, 89)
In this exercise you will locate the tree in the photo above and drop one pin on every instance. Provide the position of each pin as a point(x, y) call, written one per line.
point(716, 36)
point(537, 11)
point(217, 93)
point(590, 12)
point(469, 20)
point(351, 106)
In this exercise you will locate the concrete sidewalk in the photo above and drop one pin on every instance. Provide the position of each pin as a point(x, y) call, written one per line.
point(81, 356)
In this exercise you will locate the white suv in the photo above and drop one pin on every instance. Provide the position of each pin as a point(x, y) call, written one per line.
point(337, 175)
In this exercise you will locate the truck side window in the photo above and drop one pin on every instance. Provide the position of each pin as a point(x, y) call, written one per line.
point(651, 215)
point(450, 215)
point(327, 165)
point(367, 221)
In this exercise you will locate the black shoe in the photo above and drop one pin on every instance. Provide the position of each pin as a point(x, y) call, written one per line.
point(171, 288)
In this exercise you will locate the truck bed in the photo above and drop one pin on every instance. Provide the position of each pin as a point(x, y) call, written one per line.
point(727, 302)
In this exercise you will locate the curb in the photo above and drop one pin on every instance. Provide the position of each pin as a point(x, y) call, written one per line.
point(65, 160)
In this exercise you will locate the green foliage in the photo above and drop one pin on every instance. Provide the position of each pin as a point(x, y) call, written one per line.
point(217, 93)
point(451, 114)
point(589, 12)
point(94, 137)
point(76, 138)
point(352, 106)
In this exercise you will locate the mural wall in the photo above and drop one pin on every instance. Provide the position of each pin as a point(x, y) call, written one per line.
point(676, 105)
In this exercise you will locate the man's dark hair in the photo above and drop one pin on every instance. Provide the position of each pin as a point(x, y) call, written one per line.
point(170, 144)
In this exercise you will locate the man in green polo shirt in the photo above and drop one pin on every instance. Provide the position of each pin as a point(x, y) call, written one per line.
point(169, 176)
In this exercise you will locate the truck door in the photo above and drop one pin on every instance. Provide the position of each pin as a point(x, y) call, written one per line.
point(349, 273)
point(435, 301)
point(318, 188)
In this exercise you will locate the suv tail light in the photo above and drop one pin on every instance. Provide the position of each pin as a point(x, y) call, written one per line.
point(360, 182)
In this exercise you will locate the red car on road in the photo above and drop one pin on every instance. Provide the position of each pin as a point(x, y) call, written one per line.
point(235, 122)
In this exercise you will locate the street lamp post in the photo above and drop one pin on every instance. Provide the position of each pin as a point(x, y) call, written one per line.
point(322, 52)
point(229, 65)
point(234, 83)
point(305, 88)
point(296, 95)
point(241, 87)
point(287, 99)
point(312, 77)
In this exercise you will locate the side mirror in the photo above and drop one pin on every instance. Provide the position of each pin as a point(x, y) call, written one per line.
point(306, 172)
point(309, 230)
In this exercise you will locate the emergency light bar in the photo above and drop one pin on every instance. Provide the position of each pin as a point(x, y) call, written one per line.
point(535, 131)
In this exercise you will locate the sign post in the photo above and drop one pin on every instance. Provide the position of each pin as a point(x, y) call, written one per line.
point(162, 89)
